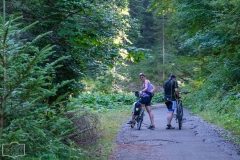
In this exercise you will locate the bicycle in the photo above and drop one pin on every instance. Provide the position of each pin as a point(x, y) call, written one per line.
point(138, 117)
point(179, 112)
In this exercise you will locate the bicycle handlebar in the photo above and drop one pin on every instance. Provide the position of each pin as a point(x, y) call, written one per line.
point(134, 91)
point(184, 92)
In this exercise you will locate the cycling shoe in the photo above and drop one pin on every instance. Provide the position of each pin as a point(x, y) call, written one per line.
point(170, 127)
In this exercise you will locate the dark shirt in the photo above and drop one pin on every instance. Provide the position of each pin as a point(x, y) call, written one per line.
point(169, 89)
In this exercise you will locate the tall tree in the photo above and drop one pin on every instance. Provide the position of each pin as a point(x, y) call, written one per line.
point(90, 32)
point(26, 79)
point(205, 31)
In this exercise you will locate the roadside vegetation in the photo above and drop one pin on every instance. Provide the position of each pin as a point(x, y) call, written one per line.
point(68, 68)
point(219, 108)
point(109, 112)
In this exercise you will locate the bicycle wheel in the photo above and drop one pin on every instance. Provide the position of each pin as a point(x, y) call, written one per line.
point(140, 120)
point(134, 122)
point(180, 115)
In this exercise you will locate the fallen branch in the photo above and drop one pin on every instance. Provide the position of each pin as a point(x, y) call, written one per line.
point(77, 133)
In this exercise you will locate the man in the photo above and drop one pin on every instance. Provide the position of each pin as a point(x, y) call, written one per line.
point(145, 99)
point(171, 94)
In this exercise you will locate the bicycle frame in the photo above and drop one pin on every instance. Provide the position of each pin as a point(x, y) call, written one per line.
point(138, 118)
point(179, 112)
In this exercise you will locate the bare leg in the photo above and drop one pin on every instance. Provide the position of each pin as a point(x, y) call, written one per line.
point(133, 117)
point(151, 116)
point(133, 107)
point(169, 117)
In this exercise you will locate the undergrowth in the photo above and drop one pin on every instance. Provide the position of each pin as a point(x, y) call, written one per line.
point(97, 102)
point(222, 110)
point(112, 111)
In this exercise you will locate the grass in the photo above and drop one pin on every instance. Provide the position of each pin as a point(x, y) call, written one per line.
point(111, 122)
point(222, 111)
point(228, 123)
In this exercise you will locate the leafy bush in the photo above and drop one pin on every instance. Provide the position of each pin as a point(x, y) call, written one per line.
point(158, 97)
point(222, 109)
point(112, 110)
point(97, 102)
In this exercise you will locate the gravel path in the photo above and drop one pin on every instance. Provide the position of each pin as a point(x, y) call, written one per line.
point(198, 140)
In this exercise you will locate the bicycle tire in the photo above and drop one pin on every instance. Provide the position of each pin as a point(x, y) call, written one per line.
point(140, 120)
point(133, 124)
point(180, 115)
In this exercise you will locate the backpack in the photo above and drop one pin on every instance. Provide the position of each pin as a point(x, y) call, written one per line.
point(137, 108)
point(151, 94)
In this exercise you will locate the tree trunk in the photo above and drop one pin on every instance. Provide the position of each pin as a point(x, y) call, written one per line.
point(163, 49)
point(4, 78)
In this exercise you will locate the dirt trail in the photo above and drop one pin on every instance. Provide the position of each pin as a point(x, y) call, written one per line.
point(197, 140)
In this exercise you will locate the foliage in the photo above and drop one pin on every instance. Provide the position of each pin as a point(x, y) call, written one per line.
point(91, 33)
point(103, 84)
point(89, 43)
point(157, 35)
point(138, 10)
point(97, 102)
point(205, 34)
point(222, 109)
point(160, 7)
point(158, 97)
point(112, 110)
point(26, 86)
point(111, 121)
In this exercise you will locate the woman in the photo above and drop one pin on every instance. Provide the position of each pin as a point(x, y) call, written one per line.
point(145, 99)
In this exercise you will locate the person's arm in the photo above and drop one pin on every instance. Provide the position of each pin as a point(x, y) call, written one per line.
point(176, 90)
point(146, 87)
point(153, 88)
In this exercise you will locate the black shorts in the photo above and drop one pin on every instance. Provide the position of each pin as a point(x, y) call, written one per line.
point(145, 100)
point(171, 105)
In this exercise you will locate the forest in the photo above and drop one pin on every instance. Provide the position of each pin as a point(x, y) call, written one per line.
point(68, 66)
